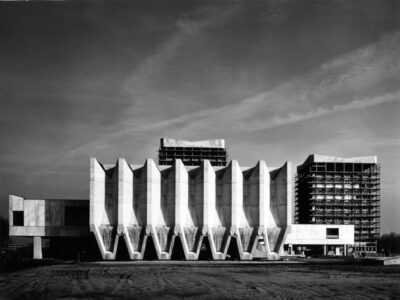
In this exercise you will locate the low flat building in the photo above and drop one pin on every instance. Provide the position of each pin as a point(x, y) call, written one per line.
point(48, 218)
point(304, 239)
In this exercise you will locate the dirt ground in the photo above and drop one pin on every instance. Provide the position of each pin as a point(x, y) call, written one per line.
point(202, 281)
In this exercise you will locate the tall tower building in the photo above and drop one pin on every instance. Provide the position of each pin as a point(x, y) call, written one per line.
point(192, 153)
point(332, 190)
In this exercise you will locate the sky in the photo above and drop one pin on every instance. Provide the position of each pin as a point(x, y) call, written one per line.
point(278, 80)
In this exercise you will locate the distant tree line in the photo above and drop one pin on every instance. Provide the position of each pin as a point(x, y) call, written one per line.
point(3, 231)
point(389, 244)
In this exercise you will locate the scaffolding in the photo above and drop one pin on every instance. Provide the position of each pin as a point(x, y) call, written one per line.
point(192, 156)
point(340, 193)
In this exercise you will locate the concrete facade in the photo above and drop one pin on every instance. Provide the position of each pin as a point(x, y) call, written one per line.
point(223, 204)
point(305, 235)
point(45, 217)
point(142, 207)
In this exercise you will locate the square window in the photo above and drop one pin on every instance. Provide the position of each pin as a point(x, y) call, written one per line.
point(332, 233)
point(18, 218)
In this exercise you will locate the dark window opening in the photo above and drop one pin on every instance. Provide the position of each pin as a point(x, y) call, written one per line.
point(205, 250)
point(332, 233)
point(122, 250)
point(177, 250)
point(233, 250)
point(150, 252)
point(18, 218)
point(76, 216)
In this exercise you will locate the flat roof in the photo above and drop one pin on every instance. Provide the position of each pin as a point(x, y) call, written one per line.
point(315, 158)
point(358, 159)
point(217, 143)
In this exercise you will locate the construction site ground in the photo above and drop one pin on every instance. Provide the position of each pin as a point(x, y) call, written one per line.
point(301, 279)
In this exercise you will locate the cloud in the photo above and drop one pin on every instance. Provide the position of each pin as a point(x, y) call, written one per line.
point(347, 83)
point(189, 28)
point(337, 86)
point(320, 111)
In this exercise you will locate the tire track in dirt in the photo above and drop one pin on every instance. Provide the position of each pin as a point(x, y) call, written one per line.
point(204, 282)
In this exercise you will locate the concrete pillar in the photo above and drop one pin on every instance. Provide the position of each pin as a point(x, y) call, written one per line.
point(181, 193)
point(153, 193)
point(208, 195)
point(236, 193)
point(325, 250)
point(37, 247)
point(344, 250)
point(125, 194)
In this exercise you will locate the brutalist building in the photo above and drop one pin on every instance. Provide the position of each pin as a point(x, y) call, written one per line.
point(195, 205)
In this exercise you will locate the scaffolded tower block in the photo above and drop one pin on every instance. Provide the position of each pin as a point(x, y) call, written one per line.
point(332, 190)
point(192, 153)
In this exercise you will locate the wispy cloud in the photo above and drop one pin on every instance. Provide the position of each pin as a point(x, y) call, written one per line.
point(320, 111)
point(340, 85)
point(347, 83)
point(188, 29)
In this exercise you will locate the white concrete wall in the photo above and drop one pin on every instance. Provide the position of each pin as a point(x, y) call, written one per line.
point(315, 234)
point(44, 217)
point(225, 204)
point(249, 207)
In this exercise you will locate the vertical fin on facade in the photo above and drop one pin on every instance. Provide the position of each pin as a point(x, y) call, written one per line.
point(104, 207)
point(281, 195)
point(229, 207)
point(127, 221)
point(154, 216)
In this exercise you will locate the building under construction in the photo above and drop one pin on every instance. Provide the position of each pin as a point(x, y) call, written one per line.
point(175, 211)
point(331, 190)
point(192, 153)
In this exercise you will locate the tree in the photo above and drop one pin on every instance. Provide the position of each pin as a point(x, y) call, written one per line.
point(3, 231)
point(389, 244)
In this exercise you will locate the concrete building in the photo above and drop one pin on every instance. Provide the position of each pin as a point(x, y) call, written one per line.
point(241, 212)
point(321, 239)
point(332, 190)
point(192, 153)
point(50, 218)
point(175, 211)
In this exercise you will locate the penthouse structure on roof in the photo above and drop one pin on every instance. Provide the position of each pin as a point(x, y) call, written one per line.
point(192, 153)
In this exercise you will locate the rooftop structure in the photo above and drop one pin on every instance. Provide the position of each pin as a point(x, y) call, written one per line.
point(333, 190)
point(192, 153)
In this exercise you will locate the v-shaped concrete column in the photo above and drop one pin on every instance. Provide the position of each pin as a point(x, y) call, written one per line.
point(103, 208)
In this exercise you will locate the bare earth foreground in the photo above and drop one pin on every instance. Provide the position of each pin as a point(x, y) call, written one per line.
point(202, 281)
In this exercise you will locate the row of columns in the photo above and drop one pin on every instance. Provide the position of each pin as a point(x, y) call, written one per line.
point(201, 198)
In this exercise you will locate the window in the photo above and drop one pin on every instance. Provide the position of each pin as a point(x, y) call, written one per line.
point(332, 233)
point(75, 216)
point(18, 218)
